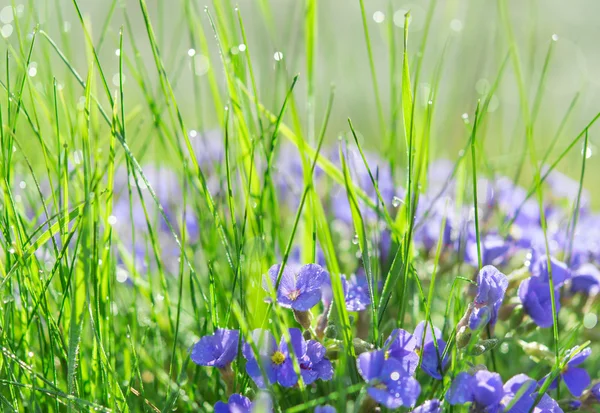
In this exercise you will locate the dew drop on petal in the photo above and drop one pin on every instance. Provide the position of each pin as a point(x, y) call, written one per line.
point(395, 376)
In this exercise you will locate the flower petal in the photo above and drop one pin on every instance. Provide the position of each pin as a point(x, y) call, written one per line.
point(461, 391)
point(311, 277)
point(370, 364)
point(577, 380)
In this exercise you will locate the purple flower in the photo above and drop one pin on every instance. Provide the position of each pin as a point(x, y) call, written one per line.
point(576, 378)
point(356, 292)
point(311, 357)
point(273, 360)
point(586, 279)
point(595, 391)
point(560, 271)
point(429, 406)
point(526, 397)
point(483, 389)
point(217, 350)
point(535, 294)
point(402, 346)
point(495, 249)
point(299, 290)
point(431, 362)
point(390, 383)
point(236, 404)
point(325, 409)
point(491, 286)
point(537, 301)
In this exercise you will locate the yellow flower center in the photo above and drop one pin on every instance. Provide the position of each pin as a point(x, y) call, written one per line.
point(294, 294)
point(418, 351)
point(386, 355)
point(278, 357)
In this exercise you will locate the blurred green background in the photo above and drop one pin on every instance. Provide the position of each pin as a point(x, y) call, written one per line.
point(470, 32)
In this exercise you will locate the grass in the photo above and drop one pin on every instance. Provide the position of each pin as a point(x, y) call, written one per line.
point(126, 236)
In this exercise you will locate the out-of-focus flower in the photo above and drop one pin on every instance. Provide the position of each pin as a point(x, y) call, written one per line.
point(236, 404)
point(299, 290)
point(217, 350)
point(325, 409)
point(495, 249)
point(483, 389)
point(575, 378)
point(390, 383)
point(356, 292)
point(526, 397)
point(586, 279)
point(535, 294)
point(491, 286)
point(429, 406)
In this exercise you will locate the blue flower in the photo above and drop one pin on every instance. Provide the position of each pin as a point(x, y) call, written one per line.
point(495, 249)
point(311, 357)
point(491, 286)
point(526, 397)
point(236, 404)
point(586, 279)
point(483, 389)
point(241, 404)
point(575, 378)
point(356, 292)
point(402, 346)
point(273, 360)
point(431, 362)
point(390, 383)
point(534, 292)
point(299, 290)
point(429, 406)
point(217, 350)
point(595, 391)
point(325, 409)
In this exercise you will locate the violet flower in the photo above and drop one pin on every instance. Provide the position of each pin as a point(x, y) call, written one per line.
point(217, 350)
point(299, 290)
point(390, 383)
point(483, 389)
point(274, 360)
point(430, 356)
point(526, 397)
point(576, 378)
point(586, 279)
point(236, 404)
point(429, 406)
point(491, 286)
point(325, 409)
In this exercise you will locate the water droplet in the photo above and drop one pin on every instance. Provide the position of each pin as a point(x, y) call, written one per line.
point(242, 47)
point(191, 52)
point(112, 220)
point(396, 202)
point(278, 56)
point(378, 16)
point(118, 52)
point(22, 184)
point(32, 71)
point(160, 297)
point(399, 17)
point(30, 354)
point(11, 250)
point(201, 65)
point(465, 116)
point(355, 239)
point(122, 274)
point(6, 30)
point(193, 133)
point(456, 25)
point(7, 299)
point(6, 14)
point(590, 320)
point(555, 37)
point(588, 152)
